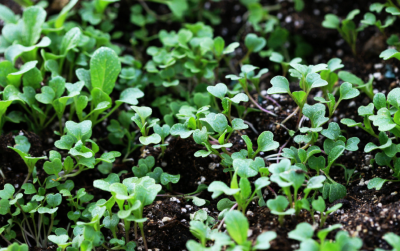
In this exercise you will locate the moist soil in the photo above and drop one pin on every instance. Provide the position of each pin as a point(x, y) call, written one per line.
point(368, 214)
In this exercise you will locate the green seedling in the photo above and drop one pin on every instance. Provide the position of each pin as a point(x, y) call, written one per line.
point(278, 207)
point(346, 27)
point(241, 190)
point(359, 83)
point(253, 43)
point(370, 19)
point(365, 111)
point(81, 156)
point(330, 75)
point(309, 79)
point(140, 117)
point(247, 74)
point(304, 233)
point(346, 91)
point(390, 53)
point(319, 205)
point(22, 147)
point(278, 58)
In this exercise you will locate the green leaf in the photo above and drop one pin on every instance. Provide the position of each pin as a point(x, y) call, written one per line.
point(366, 110)
point(302, 232)
point(71, 40)
point(219, 187)
point(331, 21)
point(47, 96)
point(278, 205)
point(335, 153)
point(152, 139)
point(7, 192)
point(7, 15)
point(53, 200)
point(376, 183)
point(393, 98)
point(79, 130)
point(334, 191)
point(181, 130)
point(22, 143)
point(347, 91)
point(53, 167)
point(264, 239)
point(333, 131)
point(254, 43)
point(266, 143)
point(379, 101)
point(33, 19)
point(279, 85)
point(245, 168)
point(104, 69)
point(237, 226)
point(351, 78)
point(316, 182)
point(390, 53)
point(350, 122)
point(238, 124)
point(219, 90)
point(319, 204)
point(218, 122)
point(130, 96)
point(166, 178)
point(59, 240)
point(14, 78)
point(64, 13)
point(393, 240)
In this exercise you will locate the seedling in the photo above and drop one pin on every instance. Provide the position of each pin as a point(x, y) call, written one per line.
point(330, 75)
point(319, 205)
point(304, 233)
point(347, 28)
point(309, 79)
point(278, 207)
point(278, 58)
point(22, 147)
point(346, 92)
point(359, 83)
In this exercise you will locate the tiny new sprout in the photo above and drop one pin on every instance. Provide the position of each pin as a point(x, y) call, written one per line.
point(140, 117)
point(359, 83)
point(346, 92)
point(247, 74)
point(278, 207)
point(347, 28)
point(304, 233)
point(330, 76)
point(319, 205)
point(241, 191)
point(308, 79)
point(278, 58)
point(22, 147)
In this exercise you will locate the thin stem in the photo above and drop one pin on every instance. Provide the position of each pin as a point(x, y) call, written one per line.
point(223, 220)
point(291, 115)
point(280, 150)
point(143, 237)
point(258, 106)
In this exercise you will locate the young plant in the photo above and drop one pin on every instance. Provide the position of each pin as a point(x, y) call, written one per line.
point(346, 27)
point(237, 227)
point(319, 205)
point(346, 91)
point(241, 190)
point(278, 58)
point(308, 79)
point(330, 75)
point(22, 147)
point(304, 233)
point(278, 207)
point(75, 140)
point(140, 117)
point(359, 83)
point(370, 19)
point(247, 75)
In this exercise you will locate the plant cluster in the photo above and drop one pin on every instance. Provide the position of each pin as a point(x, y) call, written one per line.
point(65, 76)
